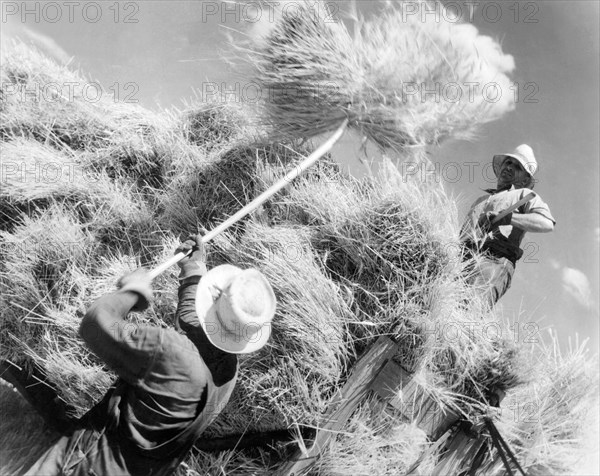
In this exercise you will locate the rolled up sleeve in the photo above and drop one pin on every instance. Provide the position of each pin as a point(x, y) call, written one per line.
point(537, 205)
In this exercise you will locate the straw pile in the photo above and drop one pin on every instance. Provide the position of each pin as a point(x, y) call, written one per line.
point(554, 420)
point(551, 423)
point(349, 260)
point(401, 79)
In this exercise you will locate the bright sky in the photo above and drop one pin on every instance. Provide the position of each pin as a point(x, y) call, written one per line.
point(158, 51)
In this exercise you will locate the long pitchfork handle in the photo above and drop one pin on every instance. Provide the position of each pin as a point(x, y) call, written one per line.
point(513, 207)
point(503, 213)
point(263, 197)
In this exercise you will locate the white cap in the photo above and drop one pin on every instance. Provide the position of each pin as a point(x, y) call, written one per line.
point(523, 153)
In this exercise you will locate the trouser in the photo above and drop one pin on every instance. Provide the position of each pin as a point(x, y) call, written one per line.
point(98, 452)
point(33, 385)
point(87, 447)
point(491, 276)
point(85, 452)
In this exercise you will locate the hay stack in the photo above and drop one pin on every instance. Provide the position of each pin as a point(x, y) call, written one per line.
point(554, 421)
point(215, 186)
point(212, 125)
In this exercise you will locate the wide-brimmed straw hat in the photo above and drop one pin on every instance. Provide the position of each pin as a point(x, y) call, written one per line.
point(235, 308)
point(524, 154)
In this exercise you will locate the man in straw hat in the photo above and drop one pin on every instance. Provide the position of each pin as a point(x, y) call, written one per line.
point(495, 244)
point(172, 383)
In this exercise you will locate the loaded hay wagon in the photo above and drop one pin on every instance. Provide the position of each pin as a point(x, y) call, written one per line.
point(360, 376)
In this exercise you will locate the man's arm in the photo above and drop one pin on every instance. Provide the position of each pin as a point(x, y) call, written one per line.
point(532, 222)
point(222, 365)
point(192, 267)
point(126, 348)
point(535, 216)
point(185, 316)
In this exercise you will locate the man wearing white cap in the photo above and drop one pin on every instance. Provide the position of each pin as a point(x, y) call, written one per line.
point(172, 383)
point(495, 244)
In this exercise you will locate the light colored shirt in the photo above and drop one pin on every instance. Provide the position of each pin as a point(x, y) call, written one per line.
point(496, 203)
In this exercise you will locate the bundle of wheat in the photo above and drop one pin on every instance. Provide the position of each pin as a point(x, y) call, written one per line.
point(402, 80)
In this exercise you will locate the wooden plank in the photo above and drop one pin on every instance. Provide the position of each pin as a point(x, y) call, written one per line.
point(342, 405)
point(455, 452)
point(460, 453)
point(433, 449)
point(391, 378)
point(437, 421)
point(397, 386)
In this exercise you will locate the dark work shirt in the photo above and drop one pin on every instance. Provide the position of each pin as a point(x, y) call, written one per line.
point(168, 382)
